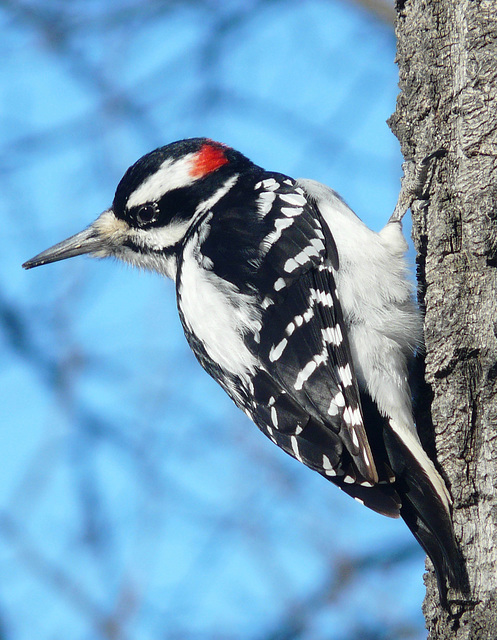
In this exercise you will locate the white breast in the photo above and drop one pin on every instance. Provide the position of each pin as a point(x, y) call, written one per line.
point(217, 313)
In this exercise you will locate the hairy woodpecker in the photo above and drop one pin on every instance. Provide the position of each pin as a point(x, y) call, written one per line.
point(302, 314)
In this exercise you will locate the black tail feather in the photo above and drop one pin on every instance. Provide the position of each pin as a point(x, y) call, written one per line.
point(423, 509)
point(427, 517)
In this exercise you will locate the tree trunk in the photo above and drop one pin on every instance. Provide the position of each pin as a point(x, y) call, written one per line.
point(447, 55)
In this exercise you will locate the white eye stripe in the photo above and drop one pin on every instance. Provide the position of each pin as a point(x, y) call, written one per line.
point(161, 237)
point(158, 238)
point(172, 174)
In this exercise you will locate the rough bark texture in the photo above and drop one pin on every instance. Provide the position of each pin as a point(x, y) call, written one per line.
point(447, 56)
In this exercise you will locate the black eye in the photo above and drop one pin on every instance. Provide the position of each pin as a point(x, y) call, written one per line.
point(147, 213)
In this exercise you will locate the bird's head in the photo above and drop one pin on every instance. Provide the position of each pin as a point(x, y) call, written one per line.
point(156, 202)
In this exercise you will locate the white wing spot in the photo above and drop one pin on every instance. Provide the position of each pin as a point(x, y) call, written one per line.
point(308, 314)
point(265, 202)
point(295, 448)
point(267, 302)
point(270, 184)
point(357, 417)
point(333, 409)
point(347, 416)
point(349, 480)
point(304, 256)
point(321, 296)
point(293, 198)
point(332, 336)
point(291, 212)
point(366, 458)
point(290, 265)
point(321, 358)
point(276, 351)
point(267, 195)
point(298, 430)
point(318, 242)
point(336, 334)
point(274, 418)
point(290, 328)
point(345, 375)
point(327, 466)
point(280, 225)
point(279, 284)
point(310, 251)
point(305, 374)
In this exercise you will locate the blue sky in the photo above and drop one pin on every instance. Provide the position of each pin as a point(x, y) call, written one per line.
point(135, 498)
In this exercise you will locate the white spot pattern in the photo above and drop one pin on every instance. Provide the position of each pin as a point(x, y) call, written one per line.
point(305, 374)
point(366, 459)
point(345, 375)
point(293, 198)
point(336, 404)
point(270, 184)
point(333, 409)
point(274, 417)
point(280, 225)
point(322, 297)
point(277, 350)
point(290, 265)
point(267, 302)
point(291, 212)
point(265, 202)
point(327, 466)
point(295, 448)
point(332, 335)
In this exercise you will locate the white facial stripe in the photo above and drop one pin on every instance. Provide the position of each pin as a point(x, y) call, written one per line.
point(172, 174)
point(167, 236)
point(217, 195)
point(161, 237)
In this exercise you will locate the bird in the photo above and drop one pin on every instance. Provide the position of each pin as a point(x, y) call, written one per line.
point(303, 315)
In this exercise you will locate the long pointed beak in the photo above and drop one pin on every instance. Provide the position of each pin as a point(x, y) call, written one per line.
point(102, 238)
point(87, 241)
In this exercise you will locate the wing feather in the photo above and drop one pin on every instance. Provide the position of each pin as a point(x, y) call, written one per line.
point(302, 343)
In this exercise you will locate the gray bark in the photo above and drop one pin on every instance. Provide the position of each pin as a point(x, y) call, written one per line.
point(447, 56)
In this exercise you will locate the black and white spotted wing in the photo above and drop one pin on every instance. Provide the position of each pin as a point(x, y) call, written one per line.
point(306, 397)
point(301, 392)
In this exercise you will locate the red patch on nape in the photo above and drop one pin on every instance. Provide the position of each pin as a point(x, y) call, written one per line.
point(207, 160)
